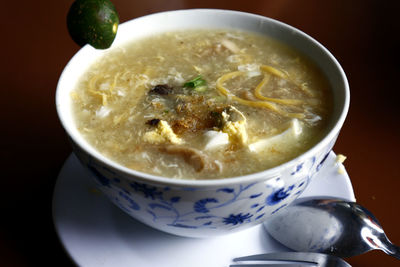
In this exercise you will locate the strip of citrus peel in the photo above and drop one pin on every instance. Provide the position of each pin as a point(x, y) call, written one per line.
point(261, 104)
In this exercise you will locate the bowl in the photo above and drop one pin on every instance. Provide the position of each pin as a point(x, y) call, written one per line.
point(205, 208)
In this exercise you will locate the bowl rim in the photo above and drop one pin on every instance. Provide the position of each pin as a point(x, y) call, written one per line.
point(248, 178)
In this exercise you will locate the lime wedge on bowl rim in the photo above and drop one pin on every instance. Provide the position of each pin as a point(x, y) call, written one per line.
point(93, 22)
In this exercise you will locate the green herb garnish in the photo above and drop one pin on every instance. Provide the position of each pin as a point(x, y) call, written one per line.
point(196, 82)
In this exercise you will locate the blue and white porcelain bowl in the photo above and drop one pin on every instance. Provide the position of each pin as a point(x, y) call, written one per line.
point(205, 208)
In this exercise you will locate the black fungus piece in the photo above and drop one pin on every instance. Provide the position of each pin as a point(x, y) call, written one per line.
point(216, 118)
point(161, 89)
point(153, 122)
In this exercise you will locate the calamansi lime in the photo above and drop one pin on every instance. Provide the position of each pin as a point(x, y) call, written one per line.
point(93, 22)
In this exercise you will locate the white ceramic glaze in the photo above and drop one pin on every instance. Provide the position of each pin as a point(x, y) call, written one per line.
point(207, 207)
point(96, 233)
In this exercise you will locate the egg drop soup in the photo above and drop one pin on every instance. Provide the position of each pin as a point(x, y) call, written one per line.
point(202, 104)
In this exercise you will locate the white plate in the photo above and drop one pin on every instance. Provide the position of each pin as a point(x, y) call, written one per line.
point(94, 232)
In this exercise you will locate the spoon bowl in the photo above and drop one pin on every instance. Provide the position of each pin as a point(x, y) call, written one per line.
point(332, 226)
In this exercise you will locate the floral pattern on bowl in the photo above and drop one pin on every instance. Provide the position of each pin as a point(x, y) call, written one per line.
point(202, 212)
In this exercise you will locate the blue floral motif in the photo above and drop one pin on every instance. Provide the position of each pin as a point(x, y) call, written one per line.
point(237, 219)
point(279, 195)
point(104, 181)
point(226, 190)
point(165, 206)
point(190, 189)
point(126, 191)
point(298, 192)
point(298, 168)
point(260, 209)
point(200, 206)
point(117, 201)
point(168, 207)
point(175, 199)
point(284, 205)
point(313, 160)
point(256, 195)
point(161, 206)
point(152, 213)
point(259, 216)
point(204, 217)
point(182, 225)
point(149, 192)
point(132, 204)
point(322, 161)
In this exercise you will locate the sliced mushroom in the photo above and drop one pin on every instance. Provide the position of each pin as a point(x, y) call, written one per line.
point(161, 89)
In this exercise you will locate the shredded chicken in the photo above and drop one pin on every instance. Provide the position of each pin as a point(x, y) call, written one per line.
point(193, 157)
point(230, 46)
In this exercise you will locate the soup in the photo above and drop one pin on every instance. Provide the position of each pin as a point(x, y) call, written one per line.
point(202, 104)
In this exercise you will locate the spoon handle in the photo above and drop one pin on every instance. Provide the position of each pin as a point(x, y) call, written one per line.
point(390, 248)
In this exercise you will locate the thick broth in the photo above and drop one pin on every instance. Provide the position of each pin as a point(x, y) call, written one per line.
point(135, 106)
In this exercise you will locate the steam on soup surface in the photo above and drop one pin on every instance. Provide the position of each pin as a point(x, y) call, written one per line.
point(202, 104)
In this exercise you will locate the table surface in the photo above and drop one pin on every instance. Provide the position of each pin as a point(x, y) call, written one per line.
point(363, 36)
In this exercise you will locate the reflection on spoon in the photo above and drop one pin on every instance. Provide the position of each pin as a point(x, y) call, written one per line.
point(330, 226)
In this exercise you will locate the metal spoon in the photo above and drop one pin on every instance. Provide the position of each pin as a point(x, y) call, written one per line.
point(332, 226)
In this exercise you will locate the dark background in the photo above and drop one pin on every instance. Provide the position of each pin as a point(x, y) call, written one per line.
point(35, 46)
